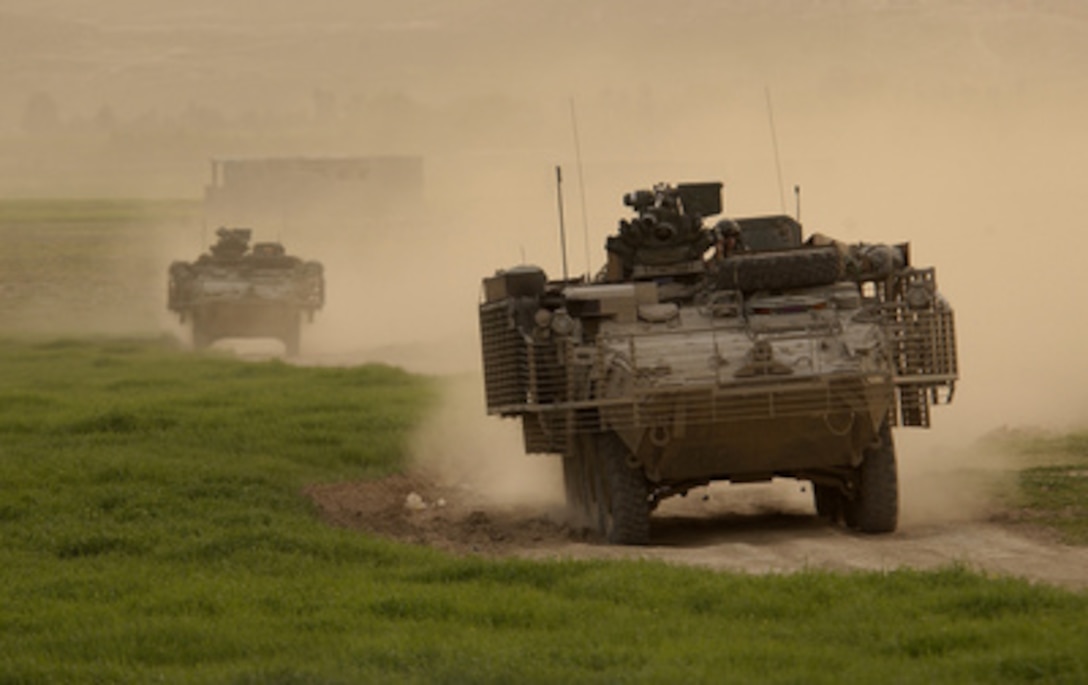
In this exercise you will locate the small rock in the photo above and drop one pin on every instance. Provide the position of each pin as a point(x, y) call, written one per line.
point(413, 502)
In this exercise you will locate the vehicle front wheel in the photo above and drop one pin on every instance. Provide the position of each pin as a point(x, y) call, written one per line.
point(577, 484)
point(203, 335)
point(292, 339)
point(875, 505)
point(624, 498)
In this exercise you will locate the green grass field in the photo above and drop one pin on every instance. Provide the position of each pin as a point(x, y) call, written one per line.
point(154, 529)
point(1052, 490)
point(91, 266)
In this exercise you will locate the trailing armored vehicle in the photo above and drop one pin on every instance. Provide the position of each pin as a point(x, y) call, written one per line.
point(234, 291)
point(734, 352)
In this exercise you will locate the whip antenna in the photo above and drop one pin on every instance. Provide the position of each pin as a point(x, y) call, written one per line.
point(562, 227)
point(774, 143)
point(581, 183)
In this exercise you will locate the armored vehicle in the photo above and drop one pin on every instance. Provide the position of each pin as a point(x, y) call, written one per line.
point(739, 351)
point(234, 291)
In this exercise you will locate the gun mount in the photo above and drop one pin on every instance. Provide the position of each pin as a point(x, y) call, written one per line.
point(667, 237)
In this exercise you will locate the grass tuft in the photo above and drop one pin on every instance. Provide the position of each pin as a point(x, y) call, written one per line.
point(1053, 493)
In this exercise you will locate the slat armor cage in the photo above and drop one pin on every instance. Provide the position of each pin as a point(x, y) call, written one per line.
point(546, 382)
point(921, 332)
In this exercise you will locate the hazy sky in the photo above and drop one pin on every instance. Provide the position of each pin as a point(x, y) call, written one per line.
point(955, 125)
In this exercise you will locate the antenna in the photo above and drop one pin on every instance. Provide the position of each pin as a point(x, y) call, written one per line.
point(774, 143)
point(797, 194)
point(581, 183)
point(208, 194)
point(562, 227)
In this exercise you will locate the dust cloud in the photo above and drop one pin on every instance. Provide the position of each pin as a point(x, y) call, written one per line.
point(955, 126)
point(482, 457)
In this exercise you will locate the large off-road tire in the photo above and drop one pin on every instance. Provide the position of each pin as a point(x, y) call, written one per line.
point(623, 502)
point(875, 506)
point(828, 500)
point(781, 270)
point(203, 335)
point(578, 484)
point(292, 336)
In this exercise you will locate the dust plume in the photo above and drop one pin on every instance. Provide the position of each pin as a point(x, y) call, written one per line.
point(952, 483)
point(466, 449)
point(955, 126)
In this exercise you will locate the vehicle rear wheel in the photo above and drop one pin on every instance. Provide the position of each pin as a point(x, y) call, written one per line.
point(828, 500)
point(875, 507)
point(623, 502)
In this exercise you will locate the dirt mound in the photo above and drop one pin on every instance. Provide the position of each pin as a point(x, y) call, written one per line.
point(415, 508)
point(763, 528)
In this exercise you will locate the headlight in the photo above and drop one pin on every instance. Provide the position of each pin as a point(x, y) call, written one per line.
point(542, 318)
point(562, 323)
point(919, 297)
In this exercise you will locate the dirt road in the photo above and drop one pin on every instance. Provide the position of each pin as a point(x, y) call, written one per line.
point(750, 529)
point(474, 491)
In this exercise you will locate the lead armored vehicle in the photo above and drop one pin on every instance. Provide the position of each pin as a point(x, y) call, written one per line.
point(740, 351)
point(235, 291)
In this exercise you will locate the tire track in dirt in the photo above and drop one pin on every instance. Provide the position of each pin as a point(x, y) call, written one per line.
point(479, 494)
point(762, 531)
